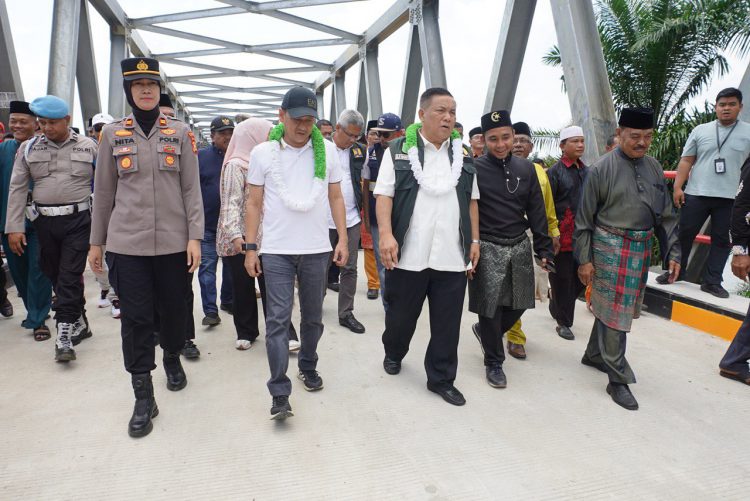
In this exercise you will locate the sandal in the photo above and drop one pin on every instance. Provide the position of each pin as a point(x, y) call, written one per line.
point(41, 333)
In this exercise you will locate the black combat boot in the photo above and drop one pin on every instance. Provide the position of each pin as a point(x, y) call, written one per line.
point(176, 379)
point(145, 408)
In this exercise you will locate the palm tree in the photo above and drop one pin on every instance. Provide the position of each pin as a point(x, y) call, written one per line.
point(662, 53)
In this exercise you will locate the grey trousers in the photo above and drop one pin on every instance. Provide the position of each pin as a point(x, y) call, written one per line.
point(348, 272)
point(607, 346)
point(280, 271)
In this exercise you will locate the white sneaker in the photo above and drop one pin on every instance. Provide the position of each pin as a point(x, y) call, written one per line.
point(294, 346)
point(103, 300)
point(243, 344)
point(115, 308)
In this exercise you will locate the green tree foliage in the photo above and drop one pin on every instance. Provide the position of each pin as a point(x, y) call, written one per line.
point(661, 54)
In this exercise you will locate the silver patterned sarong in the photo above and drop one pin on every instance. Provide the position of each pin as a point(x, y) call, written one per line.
point(504, 276)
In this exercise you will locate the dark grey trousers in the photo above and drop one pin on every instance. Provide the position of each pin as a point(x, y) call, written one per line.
point(607, 346)
point(738, 353)
point(348, 272)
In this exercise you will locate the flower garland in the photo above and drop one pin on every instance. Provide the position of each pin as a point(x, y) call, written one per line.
point(319, 176)
point(411, 149)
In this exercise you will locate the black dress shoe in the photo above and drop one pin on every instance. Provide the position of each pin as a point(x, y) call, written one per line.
point(715, 290)
point(449, 393)
point(228, 307)
point(596, 365)
point(373, 293)
point(6, 309)
point(565, 332)
point(190, 351)
point(622, 396)
point(391, 366)
point(663, 279)
point(352, 324)
point(495, 376)
point(334, 286)
point(176, 378)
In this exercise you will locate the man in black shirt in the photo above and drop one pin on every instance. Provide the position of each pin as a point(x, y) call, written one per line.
point(510, 202)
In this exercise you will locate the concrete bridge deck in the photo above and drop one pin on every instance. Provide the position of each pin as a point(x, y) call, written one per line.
point(552, 434)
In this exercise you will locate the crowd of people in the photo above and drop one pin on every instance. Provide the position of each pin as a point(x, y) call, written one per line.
point(287, 206)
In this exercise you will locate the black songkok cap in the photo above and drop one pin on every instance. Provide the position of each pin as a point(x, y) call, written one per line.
point(637, 118)
point(165, 101)
point(371, 125)
point(140, 67)
point(522, 128)
point(20, 107)
point(495, 119)
point(473, 132)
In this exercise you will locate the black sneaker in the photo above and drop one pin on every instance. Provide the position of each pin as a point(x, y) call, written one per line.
point(280, 408)
point(715, 290)
point(495, 376)
point(211, 319)
point(312, 380)
point(64, 351)
point(372, 293)
point(190, 351)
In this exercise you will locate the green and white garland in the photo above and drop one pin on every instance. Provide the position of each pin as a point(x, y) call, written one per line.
point(319, 179)
point(444, 185)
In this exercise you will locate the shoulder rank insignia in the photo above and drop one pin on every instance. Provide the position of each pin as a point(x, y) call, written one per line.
point(168, 132)
point(123, 133)
point(466, 151)
point(162, 122)
point(128, 122)
point(192, 141)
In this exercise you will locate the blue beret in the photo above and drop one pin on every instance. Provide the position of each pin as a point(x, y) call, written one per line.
point(51, 107)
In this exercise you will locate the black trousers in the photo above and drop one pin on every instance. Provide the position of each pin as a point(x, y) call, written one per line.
point(63, 249)
point(189, 317)
point(245, 303)
point(3, 281)
point(262, 286)
point(566, 287)
point(142, 282)
point(491, 332)
point(738, 353)
point(692, 216)
point(405, 293)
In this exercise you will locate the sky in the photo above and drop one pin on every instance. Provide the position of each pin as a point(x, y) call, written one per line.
point(469, 32)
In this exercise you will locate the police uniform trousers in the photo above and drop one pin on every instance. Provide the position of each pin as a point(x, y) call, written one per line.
point(606, 348)
point(142, 282)
point(405, 293)
point(33, 286)
point(566, 287)
point(63, 249)
point(189, 305)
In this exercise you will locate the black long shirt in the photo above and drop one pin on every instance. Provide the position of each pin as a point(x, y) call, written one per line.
point(510, 201)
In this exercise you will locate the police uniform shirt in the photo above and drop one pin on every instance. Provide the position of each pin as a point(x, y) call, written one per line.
point(147, 196)
point(61, 174)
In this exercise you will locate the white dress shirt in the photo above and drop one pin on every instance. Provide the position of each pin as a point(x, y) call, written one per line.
point(347, 190)
point(433, 239)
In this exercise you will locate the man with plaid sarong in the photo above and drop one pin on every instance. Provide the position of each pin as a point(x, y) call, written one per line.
point(624, 201)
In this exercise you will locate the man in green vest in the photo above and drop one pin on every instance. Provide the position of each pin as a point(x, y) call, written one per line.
point(429, 238)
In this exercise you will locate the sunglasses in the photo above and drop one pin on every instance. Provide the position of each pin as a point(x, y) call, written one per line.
point(384, 135)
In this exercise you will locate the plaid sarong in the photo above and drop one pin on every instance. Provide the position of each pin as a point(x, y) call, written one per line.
point(621, 262)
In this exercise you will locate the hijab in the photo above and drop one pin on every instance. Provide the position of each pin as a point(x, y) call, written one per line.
point(247, 135)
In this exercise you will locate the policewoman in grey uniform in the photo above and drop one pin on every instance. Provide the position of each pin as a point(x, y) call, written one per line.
point(59, 166)
point(148, 211)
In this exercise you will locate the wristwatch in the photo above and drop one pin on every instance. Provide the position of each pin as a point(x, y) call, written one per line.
point(249, 247)
point(739, 250)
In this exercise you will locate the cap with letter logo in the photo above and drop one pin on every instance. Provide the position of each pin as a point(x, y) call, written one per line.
point(388, 122)
point(300, 102)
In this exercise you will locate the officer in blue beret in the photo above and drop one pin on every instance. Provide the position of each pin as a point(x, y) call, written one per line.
point(60, 163)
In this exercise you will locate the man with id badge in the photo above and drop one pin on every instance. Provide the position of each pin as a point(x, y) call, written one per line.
point(711, 162)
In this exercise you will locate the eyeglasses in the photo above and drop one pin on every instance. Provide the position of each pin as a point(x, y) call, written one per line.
point(521, 140)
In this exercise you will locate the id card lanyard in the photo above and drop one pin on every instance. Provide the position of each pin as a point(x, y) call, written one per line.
point(720, 165)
